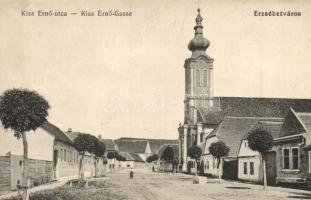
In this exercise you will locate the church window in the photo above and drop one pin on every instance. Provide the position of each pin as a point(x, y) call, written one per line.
point(198, 77)
point(205, 78)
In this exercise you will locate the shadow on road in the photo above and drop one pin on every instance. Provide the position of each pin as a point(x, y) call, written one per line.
point(299, 195)
point(238, 188)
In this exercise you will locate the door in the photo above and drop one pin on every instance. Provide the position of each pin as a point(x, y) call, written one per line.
point(55, 161)
point(271, 168)
point(230, 170)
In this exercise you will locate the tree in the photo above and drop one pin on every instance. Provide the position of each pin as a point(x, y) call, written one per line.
point(112, 155)
point(152, 158)
point(261, 140)
point(84, 143)
point(219, 150)
point(23, 110)
point(168, 155)
point(99, 152)
point(195, 152)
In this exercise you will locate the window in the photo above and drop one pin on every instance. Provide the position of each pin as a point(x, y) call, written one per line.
point(251, 168)
point(198, 77)
point(285, 158)
point(245, 167)
point(295, 158)
point(205, 78)
point(20, 163)
point(62, 154)
point(309, 161)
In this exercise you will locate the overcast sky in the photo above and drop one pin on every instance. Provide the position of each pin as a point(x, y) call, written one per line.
point(124, 76)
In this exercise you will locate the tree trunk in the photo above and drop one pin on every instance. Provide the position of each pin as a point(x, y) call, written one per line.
point(26, 182)
point(219, 176)
point(196, 168)
point(81, 173)
point(264, 173)
point(96, 166)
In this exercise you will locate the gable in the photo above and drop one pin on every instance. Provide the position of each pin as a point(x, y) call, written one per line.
point(292, 125)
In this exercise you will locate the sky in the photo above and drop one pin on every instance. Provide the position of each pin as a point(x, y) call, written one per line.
point(124, 76)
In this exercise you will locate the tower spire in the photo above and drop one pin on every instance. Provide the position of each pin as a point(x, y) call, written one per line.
point(198, 44)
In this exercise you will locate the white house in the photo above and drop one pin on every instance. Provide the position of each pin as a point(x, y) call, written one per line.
point(249, 161)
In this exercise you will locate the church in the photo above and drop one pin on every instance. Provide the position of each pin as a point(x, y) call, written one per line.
point(205, 115)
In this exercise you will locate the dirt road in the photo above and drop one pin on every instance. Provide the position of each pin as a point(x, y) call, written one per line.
point(147, 185)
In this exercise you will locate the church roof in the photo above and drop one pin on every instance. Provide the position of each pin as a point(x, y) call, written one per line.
point(260, 107)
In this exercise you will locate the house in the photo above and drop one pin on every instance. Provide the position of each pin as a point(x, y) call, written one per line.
point(290, 155)
point(249, 161)
point(139, 147)
point(129, 160)
point(70, 159)
point(40, 162)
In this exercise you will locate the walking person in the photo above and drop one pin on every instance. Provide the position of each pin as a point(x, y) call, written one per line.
point(132, 173)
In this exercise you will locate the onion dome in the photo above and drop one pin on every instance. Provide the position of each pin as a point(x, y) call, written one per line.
point(198, 44)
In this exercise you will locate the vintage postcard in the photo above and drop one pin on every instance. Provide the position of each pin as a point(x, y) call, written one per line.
point(157, 100)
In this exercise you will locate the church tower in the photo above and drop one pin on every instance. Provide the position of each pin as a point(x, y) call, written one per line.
point(198, 99)
point(198, 75)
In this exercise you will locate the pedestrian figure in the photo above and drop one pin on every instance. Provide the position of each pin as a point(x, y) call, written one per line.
point(131, 173)
point(152, 168)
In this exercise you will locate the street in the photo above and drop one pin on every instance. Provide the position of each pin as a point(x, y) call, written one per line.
point(169, 186)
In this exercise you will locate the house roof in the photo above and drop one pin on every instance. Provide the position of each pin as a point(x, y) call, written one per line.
point(72, 135)
point(109, 144)
point(54, 130)
point(135, 146)
point(127, 156)
point(136, 157)
point(260, 107)
point(155, 144)
point(233, 129)
point(305, 118)
point(273, 126)
point(164, 146)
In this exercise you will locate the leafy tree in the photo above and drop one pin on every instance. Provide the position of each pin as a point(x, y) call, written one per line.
point(218, 150)
point(23, 110)
point(120, 158)
point(99, 152)
point(112, 155)
point(168, 155)
point(84, 143)
point(152, 158)
point(195, 152)
point(261, 140)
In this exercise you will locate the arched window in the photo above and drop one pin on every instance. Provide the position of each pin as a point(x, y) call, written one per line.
point(198, 77)
point(205, 78)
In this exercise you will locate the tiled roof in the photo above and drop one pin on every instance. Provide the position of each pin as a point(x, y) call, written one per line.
point(127, 156)
point(273, 126)
point(109, 144)
point(136, 157)
point(305, 118)
point(233, 129)
point(155, 144)
point(136, 146)
point(59, 135)
point(260, 107)
point(209, 116)
point(163, 147)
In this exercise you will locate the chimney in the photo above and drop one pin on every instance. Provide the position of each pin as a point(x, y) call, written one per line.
point(100, 136)
point(69, 130)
